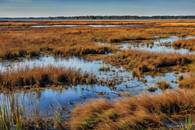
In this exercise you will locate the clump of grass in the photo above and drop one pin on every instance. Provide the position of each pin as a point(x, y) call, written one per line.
point(11, 115)
point(142, 112)
point(163, 85)
point(152, 88)
point(104, 68)
point(142, 62)
point(44, 76)
point(187, 82)
point(187, 44)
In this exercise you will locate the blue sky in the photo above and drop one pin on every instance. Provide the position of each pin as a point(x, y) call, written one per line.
point(35, 8)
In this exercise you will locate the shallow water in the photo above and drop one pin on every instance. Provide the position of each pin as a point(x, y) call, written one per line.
point(159, 45)
point(46, 101)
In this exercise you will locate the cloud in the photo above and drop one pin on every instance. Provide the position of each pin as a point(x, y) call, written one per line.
point(95, 7)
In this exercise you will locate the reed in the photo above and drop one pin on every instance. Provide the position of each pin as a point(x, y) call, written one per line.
point(187, 44)
point(143, 62)
point(142, 112)
point(45, 76)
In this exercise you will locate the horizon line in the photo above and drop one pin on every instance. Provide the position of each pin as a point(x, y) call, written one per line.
point(77, 16)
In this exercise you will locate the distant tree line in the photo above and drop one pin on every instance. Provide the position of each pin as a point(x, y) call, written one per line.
point(100, 18)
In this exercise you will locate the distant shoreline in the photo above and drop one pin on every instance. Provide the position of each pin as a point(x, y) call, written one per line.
point(95, 18)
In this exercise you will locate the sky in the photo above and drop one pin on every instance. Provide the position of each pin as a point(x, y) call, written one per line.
point(39, 8)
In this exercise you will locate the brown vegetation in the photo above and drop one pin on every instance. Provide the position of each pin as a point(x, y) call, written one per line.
point(188, 82)
point(141, 62)
point(142, 112)
point(157, 23)
point(163, 85)
point(187, 44)
point(42, 77)
point(30, 42)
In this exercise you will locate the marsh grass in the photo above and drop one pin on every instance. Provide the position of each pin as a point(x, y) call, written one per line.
point(142, 62)
point(44, 76)
point(152, 88)
point(11, 115)
point(142, 112)
point(30, 42)
point(187, 82)
point(163, 85)
point(187, 44)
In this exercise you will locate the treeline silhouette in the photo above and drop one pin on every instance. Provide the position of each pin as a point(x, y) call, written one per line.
point(100, 18)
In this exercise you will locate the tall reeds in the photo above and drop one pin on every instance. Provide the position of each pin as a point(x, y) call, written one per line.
point(44, 76)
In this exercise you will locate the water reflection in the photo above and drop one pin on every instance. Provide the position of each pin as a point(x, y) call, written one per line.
point(46, 101)
point(159, 45)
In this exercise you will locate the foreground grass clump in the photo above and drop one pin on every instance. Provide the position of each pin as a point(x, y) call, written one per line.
point(10, 115)
point(163, 85)
point(13, 117)
point(45, 76)
point(188, 82)
point(187, 44)
point(142, 112)
point(141, 62)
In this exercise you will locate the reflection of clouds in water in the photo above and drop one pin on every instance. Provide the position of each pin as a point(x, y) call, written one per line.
point(46, 101)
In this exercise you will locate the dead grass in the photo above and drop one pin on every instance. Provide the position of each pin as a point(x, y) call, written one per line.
point(142, 112)
point(161, 23)
point(42, 77)
point(30, 42)
point(187, 44)
point(188, 82)
point(142, 62)
point(163, 85)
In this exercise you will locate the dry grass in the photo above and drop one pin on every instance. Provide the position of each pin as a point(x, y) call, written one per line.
point(142, 112)
point(163, 85)
point(161, 23)
point(187, 44)
point(141, 62)
point(30, 42)
point(42, 77)
point(188, 82)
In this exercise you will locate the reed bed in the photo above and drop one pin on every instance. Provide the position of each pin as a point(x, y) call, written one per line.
point(142, 62)
point(13, 117)
point(142, 112)
point(187, 44)
point(30, 42)
point(45, 76)
point(188, 82)
point(163, 23)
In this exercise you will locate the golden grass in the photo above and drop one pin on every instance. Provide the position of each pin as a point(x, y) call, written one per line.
point(142, 112)
point(141, 62)
point(188, 82)
point(42, 77)
point(30, 42)
point(163, 85)
point(187, 44)
point(163, 23)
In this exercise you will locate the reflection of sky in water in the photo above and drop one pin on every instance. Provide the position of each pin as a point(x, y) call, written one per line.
point(48, 99)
